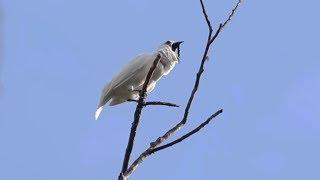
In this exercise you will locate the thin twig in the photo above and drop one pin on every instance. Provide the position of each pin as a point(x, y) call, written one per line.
point(133, 100)
point(160, 103)
point(155, 103)
point(206, 15)
point(232, 13)
point(137, 115)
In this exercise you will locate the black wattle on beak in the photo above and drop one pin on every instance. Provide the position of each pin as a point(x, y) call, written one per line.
point(176, 45)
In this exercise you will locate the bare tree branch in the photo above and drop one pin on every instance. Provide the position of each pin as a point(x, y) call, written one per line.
point(156, 103)
point(155, 145)
point(152, 149)
point(202, 125)
point(137, 115)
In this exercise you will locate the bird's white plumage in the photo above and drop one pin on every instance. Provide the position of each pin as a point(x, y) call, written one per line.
point(124, 85)
point(98, 112)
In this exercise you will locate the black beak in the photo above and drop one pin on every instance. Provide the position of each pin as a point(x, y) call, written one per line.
point(176, 45)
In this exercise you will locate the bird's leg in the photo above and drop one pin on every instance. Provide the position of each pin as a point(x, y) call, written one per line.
point(132, 89)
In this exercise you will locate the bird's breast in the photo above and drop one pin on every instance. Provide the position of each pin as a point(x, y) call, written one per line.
point(167, 65)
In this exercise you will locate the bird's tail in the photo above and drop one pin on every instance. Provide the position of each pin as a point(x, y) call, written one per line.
point(98, 111)
point(105, 97)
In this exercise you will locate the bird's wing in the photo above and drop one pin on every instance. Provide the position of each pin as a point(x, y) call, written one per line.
point(136, 65)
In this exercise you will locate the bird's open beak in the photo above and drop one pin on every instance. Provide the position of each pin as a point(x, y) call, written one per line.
point(176, 48)
point(177, 43)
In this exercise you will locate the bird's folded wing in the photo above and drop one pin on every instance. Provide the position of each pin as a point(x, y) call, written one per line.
point(129, 71)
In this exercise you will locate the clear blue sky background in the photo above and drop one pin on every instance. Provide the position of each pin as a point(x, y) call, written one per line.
point(264, 71)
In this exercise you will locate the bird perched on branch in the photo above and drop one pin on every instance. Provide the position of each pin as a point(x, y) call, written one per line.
point(127, 83)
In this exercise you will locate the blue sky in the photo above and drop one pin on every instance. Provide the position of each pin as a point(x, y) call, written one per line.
point(263, 71)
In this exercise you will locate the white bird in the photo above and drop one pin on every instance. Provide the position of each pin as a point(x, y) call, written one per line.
point(125, 85)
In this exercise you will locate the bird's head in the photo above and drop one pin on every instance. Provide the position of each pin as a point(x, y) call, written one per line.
point(172, 47)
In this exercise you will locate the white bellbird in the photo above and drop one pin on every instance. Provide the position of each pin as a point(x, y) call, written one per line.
point(127, 83)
